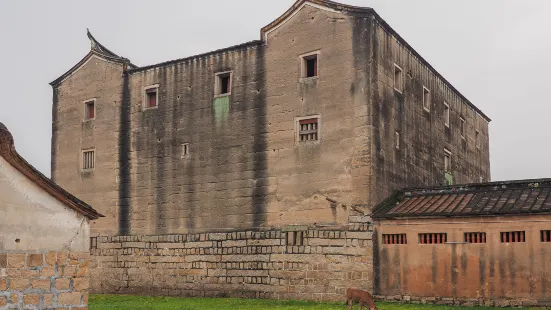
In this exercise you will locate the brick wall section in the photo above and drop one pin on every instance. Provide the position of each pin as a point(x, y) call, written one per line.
point(251, 264)
point(52, 280)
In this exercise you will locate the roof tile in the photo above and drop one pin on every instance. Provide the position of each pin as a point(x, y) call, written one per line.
point(497, 198)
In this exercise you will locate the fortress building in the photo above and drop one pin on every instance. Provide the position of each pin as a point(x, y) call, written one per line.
point(270, 152)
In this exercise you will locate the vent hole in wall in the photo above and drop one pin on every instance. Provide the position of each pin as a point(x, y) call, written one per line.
point(17, 240)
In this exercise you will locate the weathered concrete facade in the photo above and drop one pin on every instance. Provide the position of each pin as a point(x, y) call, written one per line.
point(44, 238)
point(212, 146)
point(245, 168)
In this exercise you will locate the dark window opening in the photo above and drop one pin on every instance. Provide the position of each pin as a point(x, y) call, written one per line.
point(395, 239)
point(224, 84)
point(433, 238)
point(308, 130)
point(546, 236)
point(151, 97)
point(311, 66)
point(90, 110)
point(513, 236)
point(88, 160)
point(475, 237)
point(293, 238)
point(185, 149)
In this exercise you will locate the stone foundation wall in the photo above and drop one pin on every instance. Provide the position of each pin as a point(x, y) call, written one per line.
point(466, 302)
point(52, 280)
point(322, 264)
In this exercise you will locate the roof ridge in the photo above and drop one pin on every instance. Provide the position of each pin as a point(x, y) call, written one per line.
point(8, 152)
point(189, 58)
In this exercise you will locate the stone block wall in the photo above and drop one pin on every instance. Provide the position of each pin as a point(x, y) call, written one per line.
point(49, 280)
point(321, 265)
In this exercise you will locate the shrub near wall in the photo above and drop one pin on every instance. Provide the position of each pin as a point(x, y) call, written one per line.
point(253, 264)
point(52, 280)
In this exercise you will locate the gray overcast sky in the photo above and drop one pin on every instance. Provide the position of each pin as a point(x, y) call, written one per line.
point(496, 52)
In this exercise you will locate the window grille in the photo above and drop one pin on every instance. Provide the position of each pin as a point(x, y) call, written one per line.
point(293, 238)
point(88, 160)
point(545, 236)
point(513, 236)
point(395, 239)
point(433, 238)
point(475, 237)
point(308, 129)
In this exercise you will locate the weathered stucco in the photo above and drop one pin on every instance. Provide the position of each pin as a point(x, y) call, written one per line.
point(491, 271)
point(245, 169)
point(32, 220)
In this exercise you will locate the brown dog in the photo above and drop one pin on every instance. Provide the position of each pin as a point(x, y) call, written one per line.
point(361, 297)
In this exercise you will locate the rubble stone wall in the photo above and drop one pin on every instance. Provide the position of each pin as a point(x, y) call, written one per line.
point(48, 280)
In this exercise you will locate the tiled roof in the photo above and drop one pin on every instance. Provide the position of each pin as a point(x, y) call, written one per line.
point(7, 151)
point(483, 199)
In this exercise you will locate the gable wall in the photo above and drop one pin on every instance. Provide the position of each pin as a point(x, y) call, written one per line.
point(33, 220)
point(71, 134)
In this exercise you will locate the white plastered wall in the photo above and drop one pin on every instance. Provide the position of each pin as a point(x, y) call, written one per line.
point(33, 220)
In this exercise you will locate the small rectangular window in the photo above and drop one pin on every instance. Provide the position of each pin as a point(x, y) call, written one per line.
point(477, 139)
point(512, 236)
point(447, 160)
point(462, 127)
point(545, 235)
point(185, 150)
point(309, 64)
point(446, 115)
point(426, 99)
point(151, 97)
point(223, 84)
point(433, 238)
point(475, 237)
point(398, 79)
point(90, 109)
point(293, 238)
point(88, 160)
point(308, 129)
point(397, 142)
point(395, 239)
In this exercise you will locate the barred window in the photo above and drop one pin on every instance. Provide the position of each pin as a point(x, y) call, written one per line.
point(294, 238)
point(88, 159)
point(513, 236)
point(395, 239)
point(433, 238)
point(475, 237)
point(545, 236)
point(308, 130)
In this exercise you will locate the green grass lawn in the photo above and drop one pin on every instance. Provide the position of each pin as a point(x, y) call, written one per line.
point(114, 302)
